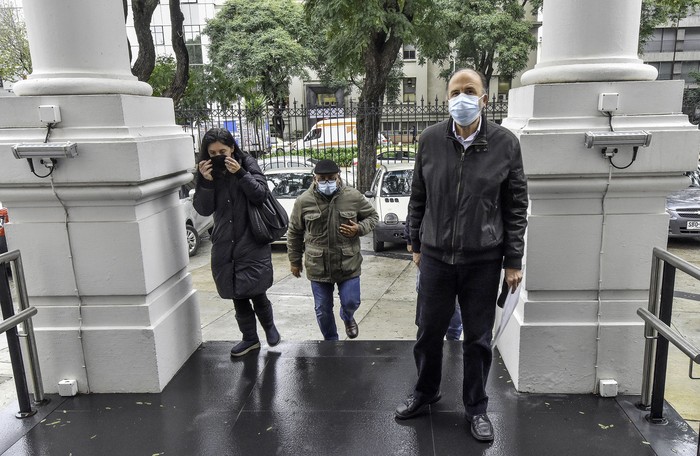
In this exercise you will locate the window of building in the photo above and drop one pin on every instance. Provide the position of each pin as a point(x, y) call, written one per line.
point(664, 69)
point(661, 41)
point(326, 99)
point(409, 90)
point(193, 41)
point(692, 39)
point(687, 68)
point(158, 35)
point(409, 52)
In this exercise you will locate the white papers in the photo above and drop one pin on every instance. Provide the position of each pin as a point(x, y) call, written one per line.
point(508, 308)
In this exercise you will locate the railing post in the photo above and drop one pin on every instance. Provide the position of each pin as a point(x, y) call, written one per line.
point(25, 406)
point(34, 369)
point(650, 333)
point(661, 360)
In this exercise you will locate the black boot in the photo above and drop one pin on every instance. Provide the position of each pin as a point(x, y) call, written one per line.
point(263, 309)
point(246, 324)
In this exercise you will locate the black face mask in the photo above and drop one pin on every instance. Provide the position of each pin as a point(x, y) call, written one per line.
point(218, 163)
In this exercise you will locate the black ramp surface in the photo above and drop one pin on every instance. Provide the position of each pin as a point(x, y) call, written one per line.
point(333, 398)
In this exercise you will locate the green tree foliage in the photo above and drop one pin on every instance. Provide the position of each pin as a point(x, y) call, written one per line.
point(491, 36)
point(206, 84)
point(361, 41)
point(259, 44)
point(15, 61)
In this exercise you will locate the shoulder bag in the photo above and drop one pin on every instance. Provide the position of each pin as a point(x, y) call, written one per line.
point(268, 222)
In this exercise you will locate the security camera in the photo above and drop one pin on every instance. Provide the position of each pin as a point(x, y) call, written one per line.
point(45, 150)
point(635, 138)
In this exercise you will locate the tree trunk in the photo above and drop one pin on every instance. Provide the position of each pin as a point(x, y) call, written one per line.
point(182, 70)
point(126, 15)
point(378, 61)
point(146, 59)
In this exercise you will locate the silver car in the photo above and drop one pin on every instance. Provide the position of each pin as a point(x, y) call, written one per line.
point(195, 225)
point(683, 208)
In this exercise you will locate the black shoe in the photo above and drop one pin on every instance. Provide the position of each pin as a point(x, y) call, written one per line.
point(351, 328)
point(273, 336)
point(481, 427)
point(412, 407)
point(244, 347)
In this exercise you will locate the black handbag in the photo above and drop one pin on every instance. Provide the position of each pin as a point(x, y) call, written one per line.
point(268, 222)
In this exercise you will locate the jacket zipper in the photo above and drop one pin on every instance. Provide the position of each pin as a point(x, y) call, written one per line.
point(459, 186)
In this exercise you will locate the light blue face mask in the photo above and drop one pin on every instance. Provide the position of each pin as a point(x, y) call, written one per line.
point(327, 187)
point(465, 109)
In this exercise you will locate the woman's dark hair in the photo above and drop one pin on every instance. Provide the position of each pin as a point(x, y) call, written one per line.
point(221, 135)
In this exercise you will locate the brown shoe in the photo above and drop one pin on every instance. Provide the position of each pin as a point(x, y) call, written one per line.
point(351, 328)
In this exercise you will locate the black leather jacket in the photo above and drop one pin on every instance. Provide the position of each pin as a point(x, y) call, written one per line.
point(469, 206)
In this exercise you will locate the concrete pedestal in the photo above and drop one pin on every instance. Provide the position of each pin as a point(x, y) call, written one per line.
point(591, 230)
point(103, 240)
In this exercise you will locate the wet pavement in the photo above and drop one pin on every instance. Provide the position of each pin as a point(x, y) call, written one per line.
point(386, 314)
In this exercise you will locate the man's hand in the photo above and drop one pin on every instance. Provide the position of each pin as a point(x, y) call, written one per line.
point(416, 258)
point(409, 247)
point(513, 278)
point(296, 270)
point(205, 168)
point(350, 230)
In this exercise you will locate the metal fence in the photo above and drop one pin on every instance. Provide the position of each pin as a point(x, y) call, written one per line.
point(271, 130)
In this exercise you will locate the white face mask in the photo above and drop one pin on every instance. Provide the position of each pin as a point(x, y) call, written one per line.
point(327, 187)
point(465, 109)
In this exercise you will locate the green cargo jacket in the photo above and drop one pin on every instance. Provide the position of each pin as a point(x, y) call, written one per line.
point(314, 228)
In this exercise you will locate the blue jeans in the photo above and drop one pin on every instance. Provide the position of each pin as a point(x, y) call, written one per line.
point(349, 292)
point(454, 331)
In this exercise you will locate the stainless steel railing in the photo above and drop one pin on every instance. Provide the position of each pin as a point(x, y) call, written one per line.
point(658, 332)
point(9, 325)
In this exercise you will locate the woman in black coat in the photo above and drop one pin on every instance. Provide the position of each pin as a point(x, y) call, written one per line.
point(242, 268)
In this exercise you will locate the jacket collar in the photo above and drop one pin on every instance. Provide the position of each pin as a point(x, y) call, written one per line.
point(480, 140)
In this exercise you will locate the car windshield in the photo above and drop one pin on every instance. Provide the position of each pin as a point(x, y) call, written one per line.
point(397, 183)
point(289, 185)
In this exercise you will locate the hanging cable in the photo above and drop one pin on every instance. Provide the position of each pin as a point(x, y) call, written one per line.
point(71, 259)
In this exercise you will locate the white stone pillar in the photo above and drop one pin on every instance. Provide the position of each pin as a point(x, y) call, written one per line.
point(595, 40)
point(103, 237)
point(591, 227)
point(78, 47)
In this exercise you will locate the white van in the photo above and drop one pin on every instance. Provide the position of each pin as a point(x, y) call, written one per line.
point(389, 195)
point(332, 133)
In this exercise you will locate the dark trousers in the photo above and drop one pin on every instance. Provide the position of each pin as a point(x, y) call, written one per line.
point(476, 287)
point(246, 312)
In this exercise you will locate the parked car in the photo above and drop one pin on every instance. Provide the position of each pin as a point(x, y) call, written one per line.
point(195, 225)
point(3, 219)
point(392, 154)
point(683, 208)
point(286, 184)
point(389, 195)
point(286, 161)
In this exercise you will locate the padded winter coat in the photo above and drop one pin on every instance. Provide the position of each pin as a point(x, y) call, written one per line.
point(241, 267)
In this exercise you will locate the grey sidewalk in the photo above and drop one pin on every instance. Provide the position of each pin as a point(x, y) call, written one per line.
point(387, 313)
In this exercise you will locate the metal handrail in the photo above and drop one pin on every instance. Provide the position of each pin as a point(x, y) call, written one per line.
point(669, 334)
point(16, 319)
point(659, 333)
point(23, 318)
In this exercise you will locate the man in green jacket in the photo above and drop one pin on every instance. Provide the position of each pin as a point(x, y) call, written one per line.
point(326, 223)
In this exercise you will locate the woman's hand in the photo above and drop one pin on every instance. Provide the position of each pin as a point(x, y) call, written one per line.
point(205, 168)
point(232, 165)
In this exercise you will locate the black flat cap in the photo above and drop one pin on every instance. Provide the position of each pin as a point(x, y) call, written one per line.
point(326, 166)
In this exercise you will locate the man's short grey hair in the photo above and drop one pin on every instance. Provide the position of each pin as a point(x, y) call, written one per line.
point(481, 75)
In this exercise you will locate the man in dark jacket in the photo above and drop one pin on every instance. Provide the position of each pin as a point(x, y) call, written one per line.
point(326, 224)
point(468, 214)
